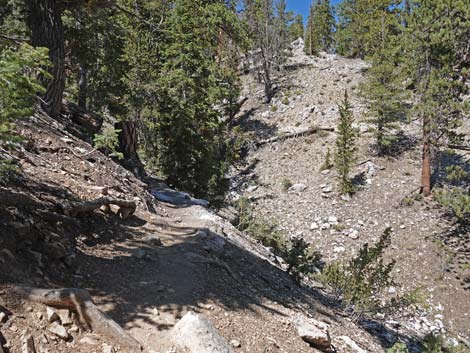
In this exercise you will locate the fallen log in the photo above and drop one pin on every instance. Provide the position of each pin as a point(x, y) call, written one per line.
point(299, 133)
point(458, 147)
point(81, 117)
point(91, 318)
point(76, 208)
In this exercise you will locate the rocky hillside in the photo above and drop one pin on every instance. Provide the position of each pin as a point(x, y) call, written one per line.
point(288, 186)
point(159, 271)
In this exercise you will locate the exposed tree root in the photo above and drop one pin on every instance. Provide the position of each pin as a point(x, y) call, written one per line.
point(126, 207)
point(299, 133)
point(91, 318)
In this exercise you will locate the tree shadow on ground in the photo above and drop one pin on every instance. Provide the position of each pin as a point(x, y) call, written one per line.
point(400, 144)
point(456, 238)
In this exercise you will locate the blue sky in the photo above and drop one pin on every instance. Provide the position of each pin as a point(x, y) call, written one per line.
point(302, 6)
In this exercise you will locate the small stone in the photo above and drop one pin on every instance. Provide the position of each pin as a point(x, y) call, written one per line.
point(65, 317)
point(3, 317)
point(313, 332)
point(58, 330)
point(339, 249)
point(332, 220)
point(90, 340)
point(314, 226)
point(251, 188)
point(107, 348)
point(74, 329)
point(51, 315)
point(392, 290)
point(346, 197)
point(13, 328)
point(327, 189)
point(325, 172)
point(235, 343)
point(296, 188)
point(354, 234)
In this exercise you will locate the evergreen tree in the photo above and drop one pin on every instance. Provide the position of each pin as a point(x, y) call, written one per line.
point(436, 58)
point(360, 25)
point(20, 67)
point(383, 89)
point(319, 35)
point(182, 82)
point(296, 28)
point(345, 154)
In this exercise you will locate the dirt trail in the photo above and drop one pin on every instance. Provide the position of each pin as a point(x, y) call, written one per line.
point(175, 255)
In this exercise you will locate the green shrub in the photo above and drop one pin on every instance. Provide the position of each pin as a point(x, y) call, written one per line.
point(297, 253)
point(436, 344)
point(19, 71)
point(285, 101)
point(300, 257)
point(274, 108)
point(457, 200)
point(8, 169)
point(359, 282)
point(398, 347)
point(286, 184)
point(109, 141)
point(328, 163)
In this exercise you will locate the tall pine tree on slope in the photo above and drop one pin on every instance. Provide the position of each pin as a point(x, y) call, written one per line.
point(437, 57)
point(383, 89)
point(320, 25)
point(345, 153)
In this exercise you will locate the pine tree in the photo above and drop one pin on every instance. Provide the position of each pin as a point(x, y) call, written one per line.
point(360, 25)
point(383, 89)
point(345, 154)
point(436, 58)
point(20, 67)
point(319, 34)
point(296, 28)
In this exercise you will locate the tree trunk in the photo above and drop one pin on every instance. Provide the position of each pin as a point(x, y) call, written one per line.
point(426, 158)
point(82, 86)
point(128, 144)
point(45, 22)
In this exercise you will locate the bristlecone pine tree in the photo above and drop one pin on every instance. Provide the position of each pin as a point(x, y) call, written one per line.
point(320, 25)
point(345, 154)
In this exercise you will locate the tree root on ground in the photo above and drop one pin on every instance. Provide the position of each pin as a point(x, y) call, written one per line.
point(91, 318)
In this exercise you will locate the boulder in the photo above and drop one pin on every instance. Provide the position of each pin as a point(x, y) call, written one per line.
point(194, 333)
point(314, 333)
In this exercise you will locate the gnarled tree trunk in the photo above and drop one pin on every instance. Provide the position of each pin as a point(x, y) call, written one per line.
point(128, 144)
point(45, 22)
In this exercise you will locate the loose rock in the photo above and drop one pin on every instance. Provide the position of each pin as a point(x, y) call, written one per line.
point(196, 334)
point(314, 333)
point(58, 330)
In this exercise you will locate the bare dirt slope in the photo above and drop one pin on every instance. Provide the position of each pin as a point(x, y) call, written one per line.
point(432, 254)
